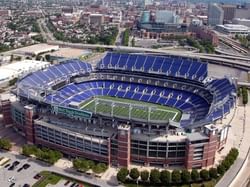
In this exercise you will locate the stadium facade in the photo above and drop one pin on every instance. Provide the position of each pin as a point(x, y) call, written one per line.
point(114, 113)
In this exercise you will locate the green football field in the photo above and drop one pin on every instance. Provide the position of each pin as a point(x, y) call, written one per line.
point(138, 109)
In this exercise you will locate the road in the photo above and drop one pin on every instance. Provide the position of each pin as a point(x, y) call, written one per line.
point(119, 36)
point(46, 33)
point(26, 176)
point(235, 62)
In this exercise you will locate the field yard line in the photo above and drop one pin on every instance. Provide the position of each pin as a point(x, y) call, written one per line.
point(169, 111)
point(88, 103)
point(176, 113)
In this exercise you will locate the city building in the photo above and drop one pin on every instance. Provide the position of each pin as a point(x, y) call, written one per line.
point(61, 107)
point(215, 14)
point(229, 12)
point(35, 50)
point(204, 33)
point(148, 2)
point(163, 28)
point(145, 17)
point(242, 12)
point(233, 29)
point(241, 21)
point(161, 21)
point(96, 19)
point(166, 17)
point(4, 14)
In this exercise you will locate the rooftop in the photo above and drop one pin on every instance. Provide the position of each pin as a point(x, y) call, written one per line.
point(234, 27)
point(196, 136)
point(36, 49)
point(15, 69)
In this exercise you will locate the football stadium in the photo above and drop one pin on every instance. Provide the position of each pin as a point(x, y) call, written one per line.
point(149, 110)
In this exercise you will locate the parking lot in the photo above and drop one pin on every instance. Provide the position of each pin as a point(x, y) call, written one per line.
point(26, 176)
point(18, 173)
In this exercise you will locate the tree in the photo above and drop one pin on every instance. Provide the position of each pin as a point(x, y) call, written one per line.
point(5, 144)
point(185, 176)
point(133, 42)
point(99, 168)
point(165, 177)
point(176, 176)
point(13, 81)
point(226, 163)
point(195, 175)
point(28, 150)
point(91, 164)
point(47, 57)
point(155, 176)
point(221, 169)
point(125, 38)
point(213, 173)
point(204, 174)
point(244, 95)
point(134, 173)
point(144, 175)
point(38, 57)
point(122, 175)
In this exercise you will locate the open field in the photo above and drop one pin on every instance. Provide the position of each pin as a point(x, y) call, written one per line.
point(131, 109)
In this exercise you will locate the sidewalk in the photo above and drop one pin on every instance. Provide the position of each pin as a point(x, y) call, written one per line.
point(242, 144)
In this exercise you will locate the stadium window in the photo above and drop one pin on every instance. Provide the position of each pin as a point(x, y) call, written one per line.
point(162, 154)
point(152, 154)
point(181, 154)
point(171, 148)
point(143, 153)
point(171, 154)
point(134, 151)
point(153, 148)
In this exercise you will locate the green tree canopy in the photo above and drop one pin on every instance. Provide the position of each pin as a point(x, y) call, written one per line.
point(176, 176)
point(155, 176)
point(134, 173)
point(195, 175)
point(5, 144)
point(185, 176)
point(144, 175)
point(213, 173)
point(204, 174)
point(221, 169)
point(122, 174)
point(165, 177)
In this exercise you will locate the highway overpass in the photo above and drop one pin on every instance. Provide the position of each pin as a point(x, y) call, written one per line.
point(226, 60)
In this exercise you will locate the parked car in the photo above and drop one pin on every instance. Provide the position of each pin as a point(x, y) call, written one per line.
point(37, 176)
point(7, 165)
point(20, 169)
point(26, 166)
point(66, 183)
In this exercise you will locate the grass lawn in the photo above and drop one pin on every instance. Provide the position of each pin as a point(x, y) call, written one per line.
point(139, 109)
point(54, 178)
point(47, 178)
point(211, 183)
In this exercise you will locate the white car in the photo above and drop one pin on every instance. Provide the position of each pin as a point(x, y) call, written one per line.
point(11, 179)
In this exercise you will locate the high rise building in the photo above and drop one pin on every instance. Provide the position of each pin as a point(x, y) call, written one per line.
point(148, 2)
point(215, 14)
point(166, 16)
point(229, 12)
point(145, 17)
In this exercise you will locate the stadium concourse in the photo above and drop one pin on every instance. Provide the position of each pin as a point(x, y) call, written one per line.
point(131, 108)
